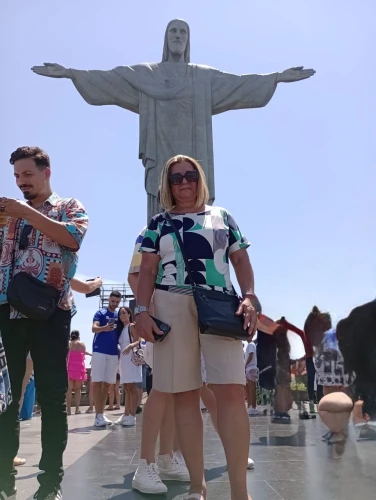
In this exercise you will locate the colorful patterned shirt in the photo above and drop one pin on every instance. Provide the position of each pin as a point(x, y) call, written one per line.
point(43, 258)
point(209, 238)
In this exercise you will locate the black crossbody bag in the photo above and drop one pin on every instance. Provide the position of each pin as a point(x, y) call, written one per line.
point(29, 296)
point(215, 310)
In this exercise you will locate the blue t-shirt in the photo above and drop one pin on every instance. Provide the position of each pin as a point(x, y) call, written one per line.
point(106, 342)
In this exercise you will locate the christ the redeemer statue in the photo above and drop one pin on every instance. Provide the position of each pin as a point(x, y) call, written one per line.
point(175, 100)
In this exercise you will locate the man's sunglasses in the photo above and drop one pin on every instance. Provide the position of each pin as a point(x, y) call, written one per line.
point(24, 240)
point(190, 176)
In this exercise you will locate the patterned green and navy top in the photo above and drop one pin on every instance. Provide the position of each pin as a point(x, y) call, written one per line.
point(209, 238)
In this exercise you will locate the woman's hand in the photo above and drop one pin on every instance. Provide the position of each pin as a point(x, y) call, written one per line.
point(133, 331)
point(145, 326)
point(250, 316)
point(127, 350)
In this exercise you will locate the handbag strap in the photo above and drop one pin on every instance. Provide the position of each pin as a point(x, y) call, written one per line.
point(130, 336)
point(182, 249)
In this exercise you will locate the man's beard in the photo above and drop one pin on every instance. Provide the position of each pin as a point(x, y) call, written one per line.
point(28, 195)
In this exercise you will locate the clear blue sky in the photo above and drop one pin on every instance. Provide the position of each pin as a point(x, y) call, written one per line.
point(298, 175)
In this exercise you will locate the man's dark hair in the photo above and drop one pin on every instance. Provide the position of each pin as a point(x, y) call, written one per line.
point(40, 157)
point(115, 293)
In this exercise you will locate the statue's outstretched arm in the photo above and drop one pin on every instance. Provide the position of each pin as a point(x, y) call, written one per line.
point(295, 74)
point(52, 70)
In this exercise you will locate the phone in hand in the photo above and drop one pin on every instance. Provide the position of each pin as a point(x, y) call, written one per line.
point(94, 293)
point(163, 327)
point(111, 321)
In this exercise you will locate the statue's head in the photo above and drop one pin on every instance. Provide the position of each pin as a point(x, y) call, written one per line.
point(177, 40)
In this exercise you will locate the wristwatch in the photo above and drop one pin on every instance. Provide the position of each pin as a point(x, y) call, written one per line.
point(140, 309)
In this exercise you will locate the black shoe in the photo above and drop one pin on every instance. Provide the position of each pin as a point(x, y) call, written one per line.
point(8, 493)
point(139, 410)
point(48, 494)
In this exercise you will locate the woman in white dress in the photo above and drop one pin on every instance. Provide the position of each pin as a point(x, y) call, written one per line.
point(130, 374)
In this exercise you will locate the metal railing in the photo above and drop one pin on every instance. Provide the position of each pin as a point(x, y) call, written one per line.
point(126, 293)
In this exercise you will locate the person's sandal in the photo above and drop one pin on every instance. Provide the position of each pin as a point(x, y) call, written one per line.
point(195, 496)
point(78, 412)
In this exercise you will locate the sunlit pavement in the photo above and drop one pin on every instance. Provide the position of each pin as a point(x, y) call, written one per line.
point(292, 463)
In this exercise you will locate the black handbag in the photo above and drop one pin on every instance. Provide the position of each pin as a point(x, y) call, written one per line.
point(215, 310)
point(30, 296)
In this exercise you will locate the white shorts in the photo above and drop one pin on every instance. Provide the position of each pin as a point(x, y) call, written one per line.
point(104, 367)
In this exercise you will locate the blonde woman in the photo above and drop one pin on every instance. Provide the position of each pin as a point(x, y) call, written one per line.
point(212, 240)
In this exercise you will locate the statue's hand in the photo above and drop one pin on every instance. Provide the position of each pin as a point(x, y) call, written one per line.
point(295, 74)
point(52, 70)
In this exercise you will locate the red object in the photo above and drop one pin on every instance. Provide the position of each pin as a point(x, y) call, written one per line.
point(307, 344)
point(266, 324)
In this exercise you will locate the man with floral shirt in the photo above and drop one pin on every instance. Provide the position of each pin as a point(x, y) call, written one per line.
point(41, 238)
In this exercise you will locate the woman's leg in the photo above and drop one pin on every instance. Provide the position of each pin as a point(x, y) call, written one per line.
point(91, 397)
point(111, 397)
point(248, 394)
point(117, 394)
point(189, 428)
point(252, 393)
point(208, 398)
point(127, 406)
point(69, 396)
point(153, 413)
point(311, 373)
point(77, 394)
point(133, 396)
point(233, 429)
point(167, 433)
point(140, 393)
point(176, 442)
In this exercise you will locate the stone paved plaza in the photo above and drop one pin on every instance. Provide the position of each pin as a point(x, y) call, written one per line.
point(291, 463)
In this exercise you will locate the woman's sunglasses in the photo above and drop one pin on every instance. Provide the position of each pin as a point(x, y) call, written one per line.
point(190, 176)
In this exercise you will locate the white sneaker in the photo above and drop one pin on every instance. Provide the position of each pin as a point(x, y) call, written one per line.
point(172, 469)
point(120, 420)
point(179, 456)
point(55, 495)
point(252, 412)
point(147, 480)
point(107, 420)
point(99, 421)
point(130, 421)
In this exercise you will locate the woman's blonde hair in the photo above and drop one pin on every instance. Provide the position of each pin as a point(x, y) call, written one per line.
point(166, 199)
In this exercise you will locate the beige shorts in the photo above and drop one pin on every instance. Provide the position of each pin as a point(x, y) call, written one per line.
point(177, 359)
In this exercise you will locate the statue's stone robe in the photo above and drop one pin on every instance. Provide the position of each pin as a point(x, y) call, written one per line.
point(175, 102)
